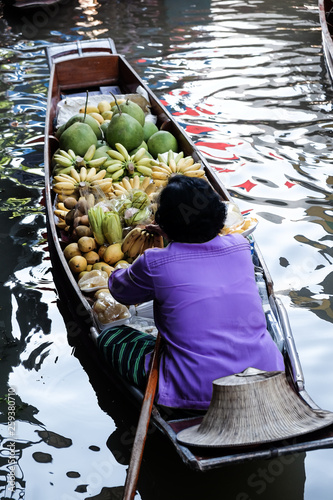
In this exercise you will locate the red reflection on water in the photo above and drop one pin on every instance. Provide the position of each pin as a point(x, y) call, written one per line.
point(198, 129)
point(247, 185)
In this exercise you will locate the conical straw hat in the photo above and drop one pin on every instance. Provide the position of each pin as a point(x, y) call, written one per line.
point(254, 407)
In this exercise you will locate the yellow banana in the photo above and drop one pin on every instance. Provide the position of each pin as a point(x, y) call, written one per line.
point(195, 166)
point(135, 249)
point(100, 175)
point(163, 169)
point(130, 239)
point(147, 242)
point(188, 162)
point(60, 213)
point(144, 183)
point(120, 187)
point(75, 175)
point(83, 174)
point(61, 224)
point(172, 165)
point(64, 178)
point(126, 184)
point(61, 206)
point(64, 185)
point(158, 241)
point(122, 150)
point(136, 182)
point(90, 174)
point(159, 175)
point(195, 173)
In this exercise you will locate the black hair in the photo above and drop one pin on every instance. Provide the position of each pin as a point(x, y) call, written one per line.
point(189, 210)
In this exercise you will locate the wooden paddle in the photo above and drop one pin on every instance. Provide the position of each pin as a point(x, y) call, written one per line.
point(142, 428)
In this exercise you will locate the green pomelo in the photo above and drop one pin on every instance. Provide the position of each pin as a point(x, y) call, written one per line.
point(60, 130)
point(142, 145)
point(104, 127)
point(89, 120)
point(125, 129)
point(78, 137)
point(102, 151)
point(149, 128)
point(132, 109)
point(161, 142)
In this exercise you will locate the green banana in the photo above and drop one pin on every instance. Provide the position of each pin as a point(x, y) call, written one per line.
point(62, 160)
point(95, 217)
point(97, 162)
point(116, 175)
point(116, 155)
point(112, 228)
point(147, 171)
point(90, 153)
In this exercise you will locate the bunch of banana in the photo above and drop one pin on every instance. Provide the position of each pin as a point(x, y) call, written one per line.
point(126, 185)
point(96, 217)
point(175, 164)
point(122, 163)
point(112, 228)
point(61, 211)
point(138, 240)
point(65, 160)
point(85, 178)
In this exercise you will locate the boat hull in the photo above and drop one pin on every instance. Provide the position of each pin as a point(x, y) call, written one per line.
point(104, 68)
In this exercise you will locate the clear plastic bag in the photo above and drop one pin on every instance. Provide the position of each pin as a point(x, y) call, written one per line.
point(93, 280)
point(108, 311)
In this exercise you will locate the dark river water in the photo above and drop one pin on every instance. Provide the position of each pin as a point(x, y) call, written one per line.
point(247, 80)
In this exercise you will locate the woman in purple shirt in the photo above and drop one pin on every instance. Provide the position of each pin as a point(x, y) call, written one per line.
point(206, 303)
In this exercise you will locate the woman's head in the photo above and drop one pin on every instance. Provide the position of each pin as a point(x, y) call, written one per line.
point(189, 210)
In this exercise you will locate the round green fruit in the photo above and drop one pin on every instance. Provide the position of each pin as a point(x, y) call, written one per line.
point(132, 109)
point(60, 130)
point(78, 137)
point(149, 128)
point(125, 129)
point(89, 120)
point(161, 142)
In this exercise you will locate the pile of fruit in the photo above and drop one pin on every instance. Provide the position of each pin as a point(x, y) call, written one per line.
point(111, 163)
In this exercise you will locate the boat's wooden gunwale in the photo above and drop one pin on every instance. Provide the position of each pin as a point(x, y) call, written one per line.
point(113, 69)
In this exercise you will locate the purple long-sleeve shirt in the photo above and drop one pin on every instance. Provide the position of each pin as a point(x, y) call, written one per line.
point(208, 311)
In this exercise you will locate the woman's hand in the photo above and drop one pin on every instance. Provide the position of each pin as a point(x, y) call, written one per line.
point(155, 229)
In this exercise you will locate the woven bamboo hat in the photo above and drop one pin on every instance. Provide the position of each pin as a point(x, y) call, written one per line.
point(254, 407)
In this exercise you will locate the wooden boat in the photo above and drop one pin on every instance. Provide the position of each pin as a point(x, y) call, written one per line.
point(326, 22)
point(103, 67)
